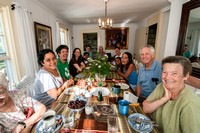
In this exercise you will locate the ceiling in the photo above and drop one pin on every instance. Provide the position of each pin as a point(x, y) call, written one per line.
point(88, 11)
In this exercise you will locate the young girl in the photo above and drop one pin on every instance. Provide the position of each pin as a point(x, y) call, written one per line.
point(128, 70)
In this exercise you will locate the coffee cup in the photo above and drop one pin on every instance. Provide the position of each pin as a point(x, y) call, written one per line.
point(123, 107)
point(115, 89)
point(49, 119)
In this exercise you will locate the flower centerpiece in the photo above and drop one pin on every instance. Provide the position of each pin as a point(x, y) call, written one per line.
point(100, 68)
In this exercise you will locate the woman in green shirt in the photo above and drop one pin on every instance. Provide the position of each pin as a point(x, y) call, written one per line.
point(174, 106)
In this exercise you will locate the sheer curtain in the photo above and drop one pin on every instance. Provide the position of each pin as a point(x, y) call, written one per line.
point(26, 40)
point(195, 42)
point(57, 34)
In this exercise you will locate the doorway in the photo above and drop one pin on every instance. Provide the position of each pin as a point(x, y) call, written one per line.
point(92, 38)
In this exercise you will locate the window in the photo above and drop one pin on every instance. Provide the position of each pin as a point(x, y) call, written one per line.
point(63, 35)
point(5, 66)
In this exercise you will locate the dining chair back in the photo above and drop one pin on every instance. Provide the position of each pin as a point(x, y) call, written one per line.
point(139, 65)
point(27, 85)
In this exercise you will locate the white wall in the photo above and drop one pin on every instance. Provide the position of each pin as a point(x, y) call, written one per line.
point(43, 15)
point(77, 35)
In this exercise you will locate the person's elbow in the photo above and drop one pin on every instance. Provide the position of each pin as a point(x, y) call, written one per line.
point(145, 106)
point(41, 109)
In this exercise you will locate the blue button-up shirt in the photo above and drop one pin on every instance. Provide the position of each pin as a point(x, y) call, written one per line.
point(145, 78)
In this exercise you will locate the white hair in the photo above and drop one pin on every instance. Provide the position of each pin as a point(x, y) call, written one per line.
point(3, 81)
point(151, 49)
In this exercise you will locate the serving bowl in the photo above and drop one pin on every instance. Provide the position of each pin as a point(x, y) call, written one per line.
point(102, 112)
point(77, 104)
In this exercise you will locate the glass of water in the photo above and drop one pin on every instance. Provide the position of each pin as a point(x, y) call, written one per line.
point(68, 118)
point(112, 125)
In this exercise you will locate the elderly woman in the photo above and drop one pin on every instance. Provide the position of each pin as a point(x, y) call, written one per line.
point(48, 83)
point(128, 70)
point(174, 106)
point(13, 107)
point(76, 64)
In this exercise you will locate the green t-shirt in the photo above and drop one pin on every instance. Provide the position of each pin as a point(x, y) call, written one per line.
point(63, 69)
point(187, 54)
point(177, 116)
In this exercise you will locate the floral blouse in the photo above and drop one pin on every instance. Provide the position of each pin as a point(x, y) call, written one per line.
point(8, 121)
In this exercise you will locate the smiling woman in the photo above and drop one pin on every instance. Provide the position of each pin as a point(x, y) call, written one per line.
point(172, 103)
point(48, 84)
point(13, 107)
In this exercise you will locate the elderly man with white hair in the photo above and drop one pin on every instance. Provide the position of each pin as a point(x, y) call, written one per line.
point(149, 74)
point(18, 112)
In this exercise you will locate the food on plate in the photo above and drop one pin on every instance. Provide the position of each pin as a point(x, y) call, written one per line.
point(77, 104)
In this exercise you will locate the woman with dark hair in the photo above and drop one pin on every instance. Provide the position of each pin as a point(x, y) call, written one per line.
point(174, 106)
point(128, 70)
point(76, 64)
point(48, 83)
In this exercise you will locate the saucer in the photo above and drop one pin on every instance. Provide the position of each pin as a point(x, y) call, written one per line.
point(123, 86)
point(39, 128)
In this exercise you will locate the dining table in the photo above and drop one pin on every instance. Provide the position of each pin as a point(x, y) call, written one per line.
point(87, 123)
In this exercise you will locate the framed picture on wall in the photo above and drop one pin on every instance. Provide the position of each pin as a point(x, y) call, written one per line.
point(116, 37)
point(43, 37)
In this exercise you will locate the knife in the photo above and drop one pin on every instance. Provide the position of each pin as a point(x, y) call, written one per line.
point(144, 122)
point(141, 120)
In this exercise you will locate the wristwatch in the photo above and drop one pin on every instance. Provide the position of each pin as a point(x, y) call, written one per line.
point(22, 123)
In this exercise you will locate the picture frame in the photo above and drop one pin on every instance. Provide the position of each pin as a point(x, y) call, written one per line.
point(43, 36)
point(117, 37)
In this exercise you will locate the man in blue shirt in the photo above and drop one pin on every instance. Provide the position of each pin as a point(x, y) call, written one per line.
point(149, 74)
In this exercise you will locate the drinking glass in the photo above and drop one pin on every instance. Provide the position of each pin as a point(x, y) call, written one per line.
point(112, 125)
point(68, 118)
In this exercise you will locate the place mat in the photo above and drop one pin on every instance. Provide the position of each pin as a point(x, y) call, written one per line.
point(114, 75)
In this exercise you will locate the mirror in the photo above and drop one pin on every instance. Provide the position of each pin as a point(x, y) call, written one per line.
point(188, 31)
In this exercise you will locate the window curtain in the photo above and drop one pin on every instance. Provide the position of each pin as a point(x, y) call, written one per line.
point(195, 42)
point(26, 40)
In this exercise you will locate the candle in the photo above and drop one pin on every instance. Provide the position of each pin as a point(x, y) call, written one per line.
point(110, 22)
point(102, 23)
point(99, 22)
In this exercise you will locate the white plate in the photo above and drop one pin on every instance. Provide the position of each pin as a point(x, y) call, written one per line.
point(70, 90)
point(80, 92)
point(143, 127)
point(123, 86)
point(105, 91)
point(80, 75)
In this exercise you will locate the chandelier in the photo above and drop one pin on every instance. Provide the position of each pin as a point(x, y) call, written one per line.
point(106, 23)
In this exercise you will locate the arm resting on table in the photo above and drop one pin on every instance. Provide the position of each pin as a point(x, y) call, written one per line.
point(56, 92)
